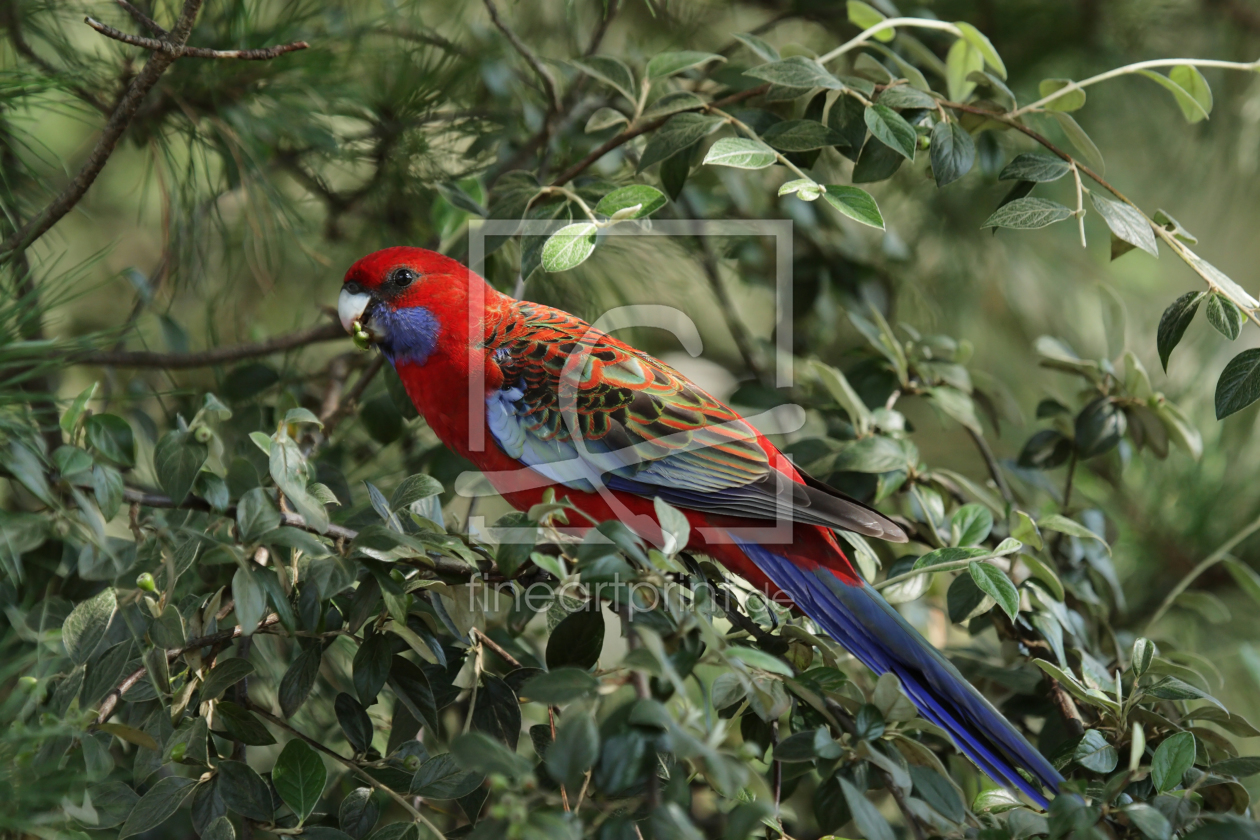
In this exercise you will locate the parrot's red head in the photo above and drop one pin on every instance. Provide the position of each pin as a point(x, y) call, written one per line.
point(405, 300)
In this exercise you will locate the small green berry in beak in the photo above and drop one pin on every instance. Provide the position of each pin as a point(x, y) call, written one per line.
point(361, 338)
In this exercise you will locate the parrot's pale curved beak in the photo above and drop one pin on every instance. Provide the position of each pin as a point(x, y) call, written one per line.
point(351, 309)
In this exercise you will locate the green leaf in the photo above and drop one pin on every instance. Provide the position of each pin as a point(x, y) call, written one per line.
point(558, 686)
point(973, 523)
point(299, 679)
point(796, 72)
point(953, 153)
point(1080, 140)
point(250, 597)
point(759, 47)
point(241, 725)
point(633, 202)
point(177, 459)
point(371, 666)
point(1099, 427)
point(1239, 385)
point(608, 70)
point(1190, 107)
point(569, 247)
point(1172, 759)
point(1028, 214)
point(244, 791)
point(84, 629)
point(157, 805)
point(70, 417)
point(1223, 314)
point(413, 489)
point(667, 64)
point(1239, 767)
point(995, 801)
point(358, 813)
point(107, 484)
point(1173, 323)
point(1189, 79)
point(111, 436)
point(606, 118)
point(800, 136)
point(740, 153)
point(256, 515)
point(937, 792)
point(670, 103)
point(875, 454)
point(575, 749)
point(982, 45)
point(479, 752)
point(855, 203)
point(1126, 222)
point(866, 816)
point(228, 672)
point(1144, 651)
point(961, 61)
point(844, 395)
point(891, 129)
point(679, 133)
point(577, 640)
point(299, 777)
point(354, 722)
point(993, 582)
point(1045, 450)
point(1095, 753)
point(906, 96)
point(876, 162)
point(864, 16)
point(441, 777)
point(1057, 522)
point(1037, 168)
point(1073, 100)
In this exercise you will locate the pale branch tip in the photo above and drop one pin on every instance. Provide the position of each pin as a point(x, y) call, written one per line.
point(164, 46)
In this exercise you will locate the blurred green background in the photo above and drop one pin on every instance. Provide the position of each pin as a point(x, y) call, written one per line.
point(245, 189)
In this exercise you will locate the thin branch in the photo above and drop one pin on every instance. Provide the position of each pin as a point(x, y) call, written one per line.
point(494, 646)
point(350, 765)
point(991, 461)
point(111, 700)
point(597, 37)
point(143, 19)
point(209, 358)
point(548, 80)
point(352, 397)
point(890, 23)
point(114, 129)
point(1212, 559)
point(158, 45)
point(630, 133)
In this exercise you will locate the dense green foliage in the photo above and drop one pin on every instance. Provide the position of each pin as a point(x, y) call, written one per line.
point(241, 593)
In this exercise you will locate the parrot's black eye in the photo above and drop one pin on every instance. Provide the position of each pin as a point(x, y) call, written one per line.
point(402, 277)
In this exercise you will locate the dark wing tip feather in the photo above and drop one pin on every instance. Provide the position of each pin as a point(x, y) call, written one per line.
point(848, 513)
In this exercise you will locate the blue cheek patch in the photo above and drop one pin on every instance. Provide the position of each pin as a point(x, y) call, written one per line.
point(411, 334)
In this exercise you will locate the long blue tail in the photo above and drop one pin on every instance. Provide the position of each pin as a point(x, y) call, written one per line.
point(868, 627)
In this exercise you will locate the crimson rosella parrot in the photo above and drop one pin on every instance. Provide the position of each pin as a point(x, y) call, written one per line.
point(536, 397)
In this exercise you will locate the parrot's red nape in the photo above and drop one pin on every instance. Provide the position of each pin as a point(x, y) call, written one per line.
point(617, 420)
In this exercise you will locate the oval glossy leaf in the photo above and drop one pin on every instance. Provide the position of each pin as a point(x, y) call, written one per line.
point(891, 129)
point(111, 436)
point(647, 200)
point(953, 153)
point(993, 582)
point(1080, 140)
point(1223, 314)
point(605, 118)
point(441, 777)
point(1173, 323)
point(84, 629)
point(1031, 167)
point(796, 72)
point(671, 103)
point(577, 640)
point(1172, 759)
point(1073, 100)
point(864, 16)
point(961, 61)
point(1095, 753)
point(1126, 223)
point(982, 45)
point(177, 459)
point(569, 247)
point(905, 96)
point(800, 136)
point(157, 805)
point(1028, 214)
point(667, 64)
point(855, 203)
point(608, 70)
point(1239, 385)
point(227, 672)
point(759, 48)
point(679, 133)
point(740, 153)
point(1190, 107)
point(299, 777)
